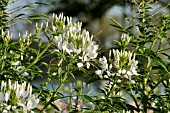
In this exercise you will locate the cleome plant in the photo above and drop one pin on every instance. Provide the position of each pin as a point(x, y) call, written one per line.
point(135, 74)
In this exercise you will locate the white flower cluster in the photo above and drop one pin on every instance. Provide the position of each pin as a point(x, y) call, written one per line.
point(125, 39)
point(124, 63)
point(17, 98)
point(73, 40)
point(19, 68)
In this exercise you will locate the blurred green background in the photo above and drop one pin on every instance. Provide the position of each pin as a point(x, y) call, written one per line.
point(95, 14)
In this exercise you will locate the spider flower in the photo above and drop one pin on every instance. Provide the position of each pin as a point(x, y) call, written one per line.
point(123, 64)
point(73, 40)
point(17, 98)
point(125, 39)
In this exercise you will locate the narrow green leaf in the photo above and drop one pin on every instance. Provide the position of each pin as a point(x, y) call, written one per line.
point(93, 79)
point(38, 15)
point(29, 8)
point(54, 106)
point(25, 19)
point(40, 42)
point(88, 98)
point(60, 71)
point(45, 64)
point(150, 61)
point(117, 42)
point(160, 63)
point(115, 22)
point(116, 26)
point(41, 3)
point(71, 74)
point(91, 100)
point(34, 51)
point(39, 19)
point(19, 15)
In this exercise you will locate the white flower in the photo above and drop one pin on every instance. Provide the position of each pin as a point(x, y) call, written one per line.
point(99, 72)
point(73, 40)
point(4, 111)
point(2, 97)
point(22, 57)
point(125, 59)
point(123, 64)
point(20, 69)
point(103, 62)
point(32, 103)
point(3, 84)
point(17, 63)
point(123, 71)
point(7, 95)
point(120, 71)
point(22, 97)
point(119, 80)
point(80, 64)
point(8, 107)
point(133, 66)
point(25, 74)
point(91, 51)
point(110, 66)
point(132, 81)
point(14, 108)
point(69, 48)
point(58, 39)
point(125, 39)
point(106, 76)
point(87, 65)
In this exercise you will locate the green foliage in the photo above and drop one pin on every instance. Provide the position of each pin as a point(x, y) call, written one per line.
point(148, 42)
point(132, 74)
point(3, 16)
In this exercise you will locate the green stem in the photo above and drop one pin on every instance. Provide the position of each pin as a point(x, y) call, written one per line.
point(153, 44)
point(60, 62)
point(56, 91)
point(3, 63)
point(159, 82)
point(132, 96)
point(108, 94)
point(62, 80)
point(145, 104)
point(37, 58)
point(145, 96)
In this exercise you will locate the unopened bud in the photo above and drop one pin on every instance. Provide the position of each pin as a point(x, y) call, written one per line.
point(145, 81)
